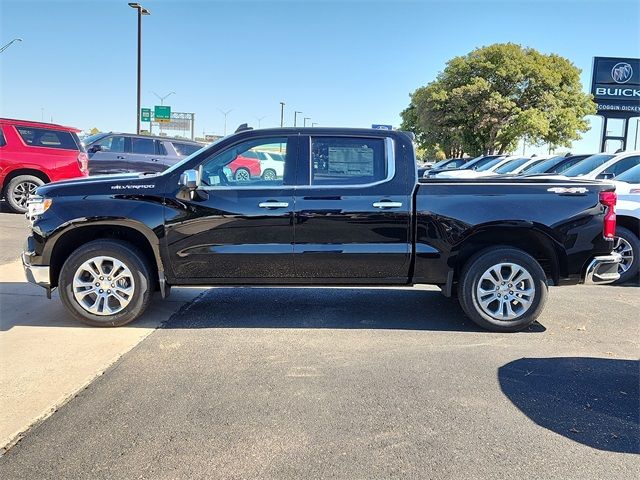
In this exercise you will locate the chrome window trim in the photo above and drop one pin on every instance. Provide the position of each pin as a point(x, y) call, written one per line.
point(390, 163)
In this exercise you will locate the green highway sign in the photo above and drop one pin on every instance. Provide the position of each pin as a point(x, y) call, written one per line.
point(162, 113)
point(145, 114)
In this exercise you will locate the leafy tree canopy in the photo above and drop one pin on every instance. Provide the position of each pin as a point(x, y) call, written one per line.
point(488, 100)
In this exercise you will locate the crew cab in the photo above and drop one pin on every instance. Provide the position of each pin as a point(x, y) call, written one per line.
point(35, 153)
point(348, 210)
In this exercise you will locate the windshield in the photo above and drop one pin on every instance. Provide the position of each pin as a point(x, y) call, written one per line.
point(179, 165)
point(542, 167)
point(512, 165)
point(477, 163)
point(92, 138)
point(588, 165)
point(491, 162)
point(630, 176)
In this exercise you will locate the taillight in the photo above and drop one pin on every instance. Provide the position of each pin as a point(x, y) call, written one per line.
point(608, 199)
point(83, 162)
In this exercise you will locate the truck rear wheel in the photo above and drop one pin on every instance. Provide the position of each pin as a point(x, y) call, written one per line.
point(106, 283)
point(502, 289)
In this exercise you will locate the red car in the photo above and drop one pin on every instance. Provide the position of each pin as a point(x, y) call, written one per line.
point(35, 153)
point(245, 166)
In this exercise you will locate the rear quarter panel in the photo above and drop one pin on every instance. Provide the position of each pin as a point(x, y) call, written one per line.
point(450, 213)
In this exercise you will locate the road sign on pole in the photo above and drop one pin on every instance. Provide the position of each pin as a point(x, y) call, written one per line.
point(145, 115)
point(162, 113)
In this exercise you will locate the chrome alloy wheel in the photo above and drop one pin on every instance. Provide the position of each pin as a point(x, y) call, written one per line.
point(22, 191)
point(103, 285)
point(505, 291)
point(625, 250)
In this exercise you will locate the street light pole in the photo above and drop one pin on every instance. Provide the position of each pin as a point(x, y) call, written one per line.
point(225, 119)
point(313, 124)
point(281, 114)
point(260, 120)
point(304, 122)
point(9, 44)
point(295, 118)
point(141, 11)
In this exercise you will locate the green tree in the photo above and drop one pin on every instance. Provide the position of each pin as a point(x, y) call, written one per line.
point(488, 100)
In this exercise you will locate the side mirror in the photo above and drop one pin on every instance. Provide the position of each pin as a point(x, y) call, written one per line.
point(190, 179)
point(95, 148)
point(606, 176)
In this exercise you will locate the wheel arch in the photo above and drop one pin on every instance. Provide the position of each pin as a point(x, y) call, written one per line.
point(540, 245)
point(136, 235)
point(628, 222)
point(24, 171)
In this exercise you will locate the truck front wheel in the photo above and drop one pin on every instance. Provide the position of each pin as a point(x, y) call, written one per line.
point(106, 283)
point(502, 289)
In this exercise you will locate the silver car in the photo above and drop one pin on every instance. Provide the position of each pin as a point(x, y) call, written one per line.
point(124, 152)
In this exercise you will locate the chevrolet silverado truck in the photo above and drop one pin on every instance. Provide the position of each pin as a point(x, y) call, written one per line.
point(347, 209)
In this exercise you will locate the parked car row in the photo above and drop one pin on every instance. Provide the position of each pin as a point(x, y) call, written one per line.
point(623, 168)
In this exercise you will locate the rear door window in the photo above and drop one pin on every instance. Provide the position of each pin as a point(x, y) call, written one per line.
point(43, 137)
point(143, 146)
point(3, 142)
point(347, 161)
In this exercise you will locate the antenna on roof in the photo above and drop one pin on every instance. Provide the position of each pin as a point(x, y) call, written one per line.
point(243, 128)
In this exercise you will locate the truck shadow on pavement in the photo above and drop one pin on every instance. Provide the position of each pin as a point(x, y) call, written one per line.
point(325, 307)
point(593, 401)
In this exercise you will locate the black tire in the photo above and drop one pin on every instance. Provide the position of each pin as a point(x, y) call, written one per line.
point(17, 190)
point(242, 175)
point(631, 241)
point(126, 253)
point(269, 174)
point(472, 277)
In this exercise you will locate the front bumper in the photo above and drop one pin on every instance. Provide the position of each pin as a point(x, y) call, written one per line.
point(603, 269)
point(37, 274)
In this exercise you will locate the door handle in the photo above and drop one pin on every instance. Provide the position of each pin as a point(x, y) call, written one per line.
point(154, 159)
point(273, 204)
point(119, 157)
point(387, 204)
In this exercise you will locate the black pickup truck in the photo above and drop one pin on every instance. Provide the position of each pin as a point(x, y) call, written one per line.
point(345, 208)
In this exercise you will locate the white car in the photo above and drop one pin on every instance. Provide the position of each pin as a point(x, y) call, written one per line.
point(627, 242)
point(487, 170)
point(518, 166)
point(271, 165)
point(605, 166)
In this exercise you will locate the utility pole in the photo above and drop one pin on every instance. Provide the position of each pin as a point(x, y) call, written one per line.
point(304, 122)
point(141, 11)
point(225, 119)
point(281, 114)
point(295, 118)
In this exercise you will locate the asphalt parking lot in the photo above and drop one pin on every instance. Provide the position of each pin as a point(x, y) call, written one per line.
point(354, 383)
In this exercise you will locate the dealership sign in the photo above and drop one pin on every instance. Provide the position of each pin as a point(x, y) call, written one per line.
point(615, 86)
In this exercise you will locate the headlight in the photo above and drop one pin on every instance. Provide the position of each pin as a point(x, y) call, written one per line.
point(37, 206)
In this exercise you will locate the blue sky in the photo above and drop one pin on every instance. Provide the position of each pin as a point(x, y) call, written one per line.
point(348, 63)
